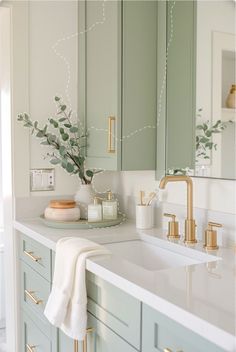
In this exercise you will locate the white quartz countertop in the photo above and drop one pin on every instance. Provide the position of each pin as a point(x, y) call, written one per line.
point(201, 297)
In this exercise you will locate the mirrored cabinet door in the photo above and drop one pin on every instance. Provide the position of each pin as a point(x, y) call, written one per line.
point(201, 91)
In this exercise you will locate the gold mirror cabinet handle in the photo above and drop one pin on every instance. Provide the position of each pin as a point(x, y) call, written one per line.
point(169, 350)
point(111, 121)
point(30, 348)
point(31, 256)
point(31, 296)
point(76, 342)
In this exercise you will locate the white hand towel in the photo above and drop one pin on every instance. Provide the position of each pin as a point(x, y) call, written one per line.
point(67, 304)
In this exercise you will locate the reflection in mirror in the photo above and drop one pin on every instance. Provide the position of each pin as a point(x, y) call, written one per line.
point(201, 92)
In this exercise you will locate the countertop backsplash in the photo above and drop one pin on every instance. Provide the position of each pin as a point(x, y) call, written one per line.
point(30, 207)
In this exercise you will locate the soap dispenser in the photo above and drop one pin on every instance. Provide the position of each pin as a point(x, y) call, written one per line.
point(95, 211)
point(109, 207)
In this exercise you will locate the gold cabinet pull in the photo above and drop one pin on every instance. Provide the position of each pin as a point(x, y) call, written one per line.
point(31, 256)
point(111, 121)
point(30, 348)
point(76, 342)
point(30, 295)
point(169, 350)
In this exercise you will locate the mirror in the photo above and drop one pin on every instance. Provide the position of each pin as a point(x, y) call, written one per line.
point(200, 89)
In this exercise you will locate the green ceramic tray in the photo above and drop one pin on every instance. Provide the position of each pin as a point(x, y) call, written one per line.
point(82, 224)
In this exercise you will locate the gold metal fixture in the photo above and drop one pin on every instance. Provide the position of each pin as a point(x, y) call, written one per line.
point(111, 120)
point(30, 348)
point(190, 226)
point(211, 236)
point(30, 295)
point(31, 256)
point(169, 350)
point(173, 227)
point(76, 342)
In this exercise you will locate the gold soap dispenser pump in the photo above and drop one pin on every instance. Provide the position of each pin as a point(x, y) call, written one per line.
point(211, 236)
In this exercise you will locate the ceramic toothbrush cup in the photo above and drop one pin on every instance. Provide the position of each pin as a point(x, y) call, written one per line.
point(144, 217)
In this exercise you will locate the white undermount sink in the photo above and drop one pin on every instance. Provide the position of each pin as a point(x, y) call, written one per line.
point(153, 257)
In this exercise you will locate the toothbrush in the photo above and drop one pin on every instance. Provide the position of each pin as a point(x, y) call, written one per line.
point(141, 193)
point(152, 195)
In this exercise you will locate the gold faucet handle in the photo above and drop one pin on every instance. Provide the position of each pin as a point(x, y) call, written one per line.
point(172, 216)
point(173, 227)
point(213, 224)
point(211, 236)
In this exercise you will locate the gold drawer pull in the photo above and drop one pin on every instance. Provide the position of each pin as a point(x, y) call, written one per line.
point(169, 350)
point(30, 348)
point(31, 256)
point(76, 343)
point(30, 295)
point(111, 149)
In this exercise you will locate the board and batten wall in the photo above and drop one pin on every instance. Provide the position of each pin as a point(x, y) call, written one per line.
point(39, 74)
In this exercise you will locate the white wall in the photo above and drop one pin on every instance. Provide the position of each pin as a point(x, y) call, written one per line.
point(39, 75)
point(50, 21)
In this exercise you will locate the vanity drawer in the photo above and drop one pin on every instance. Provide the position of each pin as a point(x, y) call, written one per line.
point(115, 308)
point(35, 291)
point(33, 339)
point(161, 333)
point(36, 255)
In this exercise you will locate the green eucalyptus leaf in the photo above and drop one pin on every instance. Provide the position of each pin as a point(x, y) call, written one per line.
point(65, 137)
point(70, 167)
point(204, 139)
point(45, 143)
point(62, 150)
point(40, 134)
point(55, 161)
point(62, 131)
point(64, 163)
point(89, 173)
point(35, 124)
point(52, 138)
point(55, 124)
point(57, 99)
point(67, 125)
point(62, 119)
point(208, 133)
point(74, 129)
point(63, 107)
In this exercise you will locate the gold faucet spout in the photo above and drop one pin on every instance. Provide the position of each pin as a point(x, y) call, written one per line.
point(190, 222)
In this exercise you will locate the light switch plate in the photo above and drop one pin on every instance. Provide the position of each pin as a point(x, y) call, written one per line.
point(42, 180)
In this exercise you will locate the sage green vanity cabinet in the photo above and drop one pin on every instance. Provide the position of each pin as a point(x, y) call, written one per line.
point(117, 322)
point(160, 333)
point(120, 64)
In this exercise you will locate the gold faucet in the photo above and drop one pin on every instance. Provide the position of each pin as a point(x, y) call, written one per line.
point(190, 235)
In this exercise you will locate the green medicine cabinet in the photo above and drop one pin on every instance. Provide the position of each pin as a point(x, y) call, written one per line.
point(118, 82)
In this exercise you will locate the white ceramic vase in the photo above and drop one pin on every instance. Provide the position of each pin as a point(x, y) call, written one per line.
point(83, 197)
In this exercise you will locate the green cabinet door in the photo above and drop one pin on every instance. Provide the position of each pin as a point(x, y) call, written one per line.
point(159, 333)
point(102, 339)
point(181, 110)
point(99, 339)
point(119, 57)
point(102, 66)
point(139, 87)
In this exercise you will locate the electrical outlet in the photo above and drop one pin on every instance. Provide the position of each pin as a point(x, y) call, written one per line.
point(42, 180)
